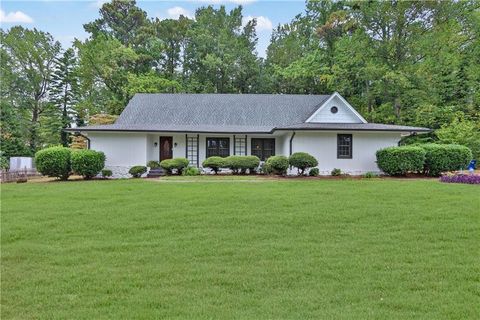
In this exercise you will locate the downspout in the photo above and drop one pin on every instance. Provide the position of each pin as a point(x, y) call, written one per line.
point(246, 146)
point(291, 142)
point(234, 147)
point(198, 151)
point(82, 135)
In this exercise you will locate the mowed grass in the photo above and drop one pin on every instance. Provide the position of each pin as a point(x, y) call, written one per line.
point(335, 249)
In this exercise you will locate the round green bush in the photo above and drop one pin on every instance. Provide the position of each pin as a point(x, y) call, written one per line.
point(251, 163)
point(445, 157)
point(177, 164)
point(400, 160)
point(336, 172)
point(191, 171)
point(214, 163)
point(240, 164)
point(54, 162)
point(314, 172)
point(137, 171)
point(180, 164)
point(107, 173)
point(153, 164)
point(302, 161)
point(87, 163)
point(276, 165)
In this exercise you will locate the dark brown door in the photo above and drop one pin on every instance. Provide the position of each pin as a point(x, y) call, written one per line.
point(166, 145)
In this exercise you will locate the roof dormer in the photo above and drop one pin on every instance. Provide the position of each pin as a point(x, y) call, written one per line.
point(336, 110)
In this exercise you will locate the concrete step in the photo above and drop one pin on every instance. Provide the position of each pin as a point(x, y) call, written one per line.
point(155, 173)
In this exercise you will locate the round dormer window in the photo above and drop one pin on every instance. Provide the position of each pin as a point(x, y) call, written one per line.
point(333, 109)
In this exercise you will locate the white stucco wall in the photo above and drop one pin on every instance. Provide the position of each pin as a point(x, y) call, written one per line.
point(344, 114)
point(323, 146)
point(124, 150)
point(121, 149)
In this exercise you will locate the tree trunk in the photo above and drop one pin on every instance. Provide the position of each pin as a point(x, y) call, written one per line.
point(33, 128)
point(397, 106)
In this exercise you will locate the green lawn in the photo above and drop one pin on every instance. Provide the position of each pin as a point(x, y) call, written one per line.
point(336, 249)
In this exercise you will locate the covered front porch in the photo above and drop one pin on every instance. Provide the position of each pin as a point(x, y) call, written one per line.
point(196, 147)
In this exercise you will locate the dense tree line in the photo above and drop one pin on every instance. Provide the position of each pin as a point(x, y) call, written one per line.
point(415, 62)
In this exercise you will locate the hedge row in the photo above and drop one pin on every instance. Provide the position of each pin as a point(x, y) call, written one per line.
point(431, 159)
point(238, 164)
point(401, 160)
point(274, 164)
point(61, 162)
point(445, 157)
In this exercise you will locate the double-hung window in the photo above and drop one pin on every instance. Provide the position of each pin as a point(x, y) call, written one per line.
point(219, 147)
point(344, 146)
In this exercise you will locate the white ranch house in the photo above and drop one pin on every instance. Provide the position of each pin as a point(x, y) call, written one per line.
point(196, 126)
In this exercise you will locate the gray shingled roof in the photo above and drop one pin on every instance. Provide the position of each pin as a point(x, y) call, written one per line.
point(235, 113)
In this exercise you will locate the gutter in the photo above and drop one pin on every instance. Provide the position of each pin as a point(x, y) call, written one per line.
point(255, 132)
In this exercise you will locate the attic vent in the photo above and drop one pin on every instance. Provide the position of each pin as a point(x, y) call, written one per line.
point(333, 109)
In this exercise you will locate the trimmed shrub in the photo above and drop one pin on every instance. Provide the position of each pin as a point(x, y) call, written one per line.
point(400, 160)
point(250, 163)
point(369, 175)
point(336, 172)
point(137, 171)
point(54, 162)
point(177, 164)
point(276, 165)
point(240, 164)
point(302, 161)
point(214, 163)
point(191, 171)
point(87, 163)
point(314, 172)
point(106, 173)
point(445, 157)
point(153, 164)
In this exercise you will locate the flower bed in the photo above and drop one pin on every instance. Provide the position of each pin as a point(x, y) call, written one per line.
point(461, 178)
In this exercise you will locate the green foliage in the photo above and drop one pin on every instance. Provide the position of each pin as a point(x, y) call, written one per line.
point(191, 171)
point(149, 83)
point(461, 131)
point(54, 162)
point(177, 164)
point(87, 163)
point(370, 175)
point(302, 161)
point(314, 172)
point(137, 171)
point(26, 69)
point(401, 160)
point(4, 162)
point(240, 164)
point(106, 173)
point(276, 165)
point(445, 157)
point(214, 163)
point(425, 72)
point(153, 164)
point(336, 172)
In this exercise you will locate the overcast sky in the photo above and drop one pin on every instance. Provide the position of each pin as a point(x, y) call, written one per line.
point(65, 19)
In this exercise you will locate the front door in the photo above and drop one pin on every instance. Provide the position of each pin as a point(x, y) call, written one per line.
point(166, 145)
